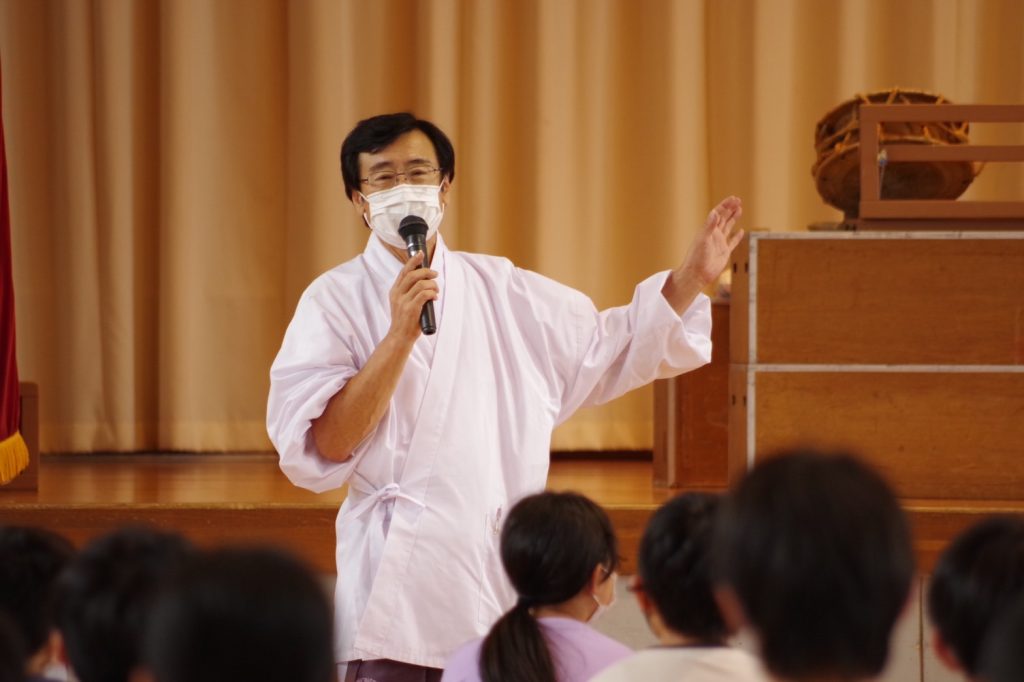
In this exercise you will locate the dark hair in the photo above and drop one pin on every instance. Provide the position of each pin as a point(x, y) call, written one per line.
point(31, 560)
point(12, 651)
point(1002, 656)
point(374, 134)
point(550, 546)
point(980, 572)
point(674, 564)
point(242, 614)
point(818, 552)
point(105, 597)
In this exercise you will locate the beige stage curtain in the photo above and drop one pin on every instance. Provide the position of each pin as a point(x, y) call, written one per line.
point(174, 175)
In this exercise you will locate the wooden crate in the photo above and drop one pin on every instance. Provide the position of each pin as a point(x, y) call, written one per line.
point(905, 347)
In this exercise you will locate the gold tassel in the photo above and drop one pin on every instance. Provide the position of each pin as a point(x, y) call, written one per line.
point(13, 457)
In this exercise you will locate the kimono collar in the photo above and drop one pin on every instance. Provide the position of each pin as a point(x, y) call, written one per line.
point(383, 264)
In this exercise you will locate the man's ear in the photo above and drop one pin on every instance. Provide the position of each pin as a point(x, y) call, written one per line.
point(446, 186)
point(362, 207)
point(945, 653)
point(730, 607)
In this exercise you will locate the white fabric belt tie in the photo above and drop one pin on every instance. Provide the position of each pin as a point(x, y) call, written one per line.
point(383, 494)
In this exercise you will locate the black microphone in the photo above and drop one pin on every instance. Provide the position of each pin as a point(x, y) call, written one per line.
point(413, 229)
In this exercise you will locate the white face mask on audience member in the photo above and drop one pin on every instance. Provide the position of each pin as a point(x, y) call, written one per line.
point(602, 607)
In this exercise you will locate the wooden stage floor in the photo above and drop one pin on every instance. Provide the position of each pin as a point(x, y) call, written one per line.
point(243, 498)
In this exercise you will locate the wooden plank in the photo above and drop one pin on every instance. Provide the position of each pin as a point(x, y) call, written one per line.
point(664, 461)
point(981, 113)
point(960, 152)
point(970, 225)
point(737, 464)
point(934, 523)
point(890, 301)
point(691, 417)
point(739, 299)
point(870, 183)
point(940, 209)
point(942, 436)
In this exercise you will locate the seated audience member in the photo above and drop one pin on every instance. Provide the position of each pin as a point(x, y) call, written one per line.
point(31, 560)
point(979, 574)
point(106, 595)
point(1002, 653)
point(242, 615)
point(673, 588)
point(560, 553)
point(813, 556)
point(12, 651)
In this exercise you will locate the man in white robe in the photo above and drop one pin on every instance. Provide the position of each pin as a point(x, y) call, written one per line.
point(438, 435)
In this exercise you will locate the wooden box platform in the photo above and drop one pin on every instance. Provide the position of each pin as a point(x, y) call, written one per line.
point(905, 347)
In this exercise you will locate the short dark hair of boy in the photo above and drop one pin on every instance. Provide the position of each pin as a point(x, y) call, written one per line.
point(818, 552)
point(980, 572)
point(105, 597)
point(242, 614)
point(1002, 656)
point(31, 560)
point(674, 564)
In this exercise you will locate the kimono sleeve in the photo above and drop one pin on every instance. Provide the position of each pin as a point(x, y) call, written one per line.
point(626, 347)
point(314, 363)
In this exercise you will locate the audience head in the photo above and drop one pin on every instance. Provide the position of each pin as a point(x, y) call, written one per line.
point(556, 548)
point(12, 651)
point(31, 561)
point(106, 595)
point(980, 572)
point(813, 554)
point(242, 614)
point(1002, 653)
point(674, 569)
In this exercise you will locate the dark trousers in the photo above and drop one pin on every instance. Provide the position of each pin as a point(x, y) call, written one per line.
point(384, 670)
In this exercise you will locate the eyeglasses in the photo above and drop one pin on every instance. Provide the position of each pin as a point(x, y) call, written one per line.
point(415, 175)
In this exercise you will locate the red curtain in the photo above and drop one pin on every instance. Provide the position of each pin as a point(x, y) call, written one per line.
point(13, 453)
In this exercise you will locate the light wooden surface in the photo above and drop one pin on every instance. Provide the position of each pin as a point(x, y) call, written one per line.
point(890, 301)
point(244, 498)
point(225, 499)
point(691, 417)
point(739, 303)
point(905, 347)
point(953, 436)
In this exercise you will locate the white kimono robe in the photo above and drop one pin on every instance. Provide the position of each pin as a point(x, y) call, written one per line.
point(467, 432)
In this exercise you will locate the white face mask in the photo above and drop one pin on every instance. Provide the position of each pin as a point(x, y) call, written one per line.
point(603, 608)
point(388, 207)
